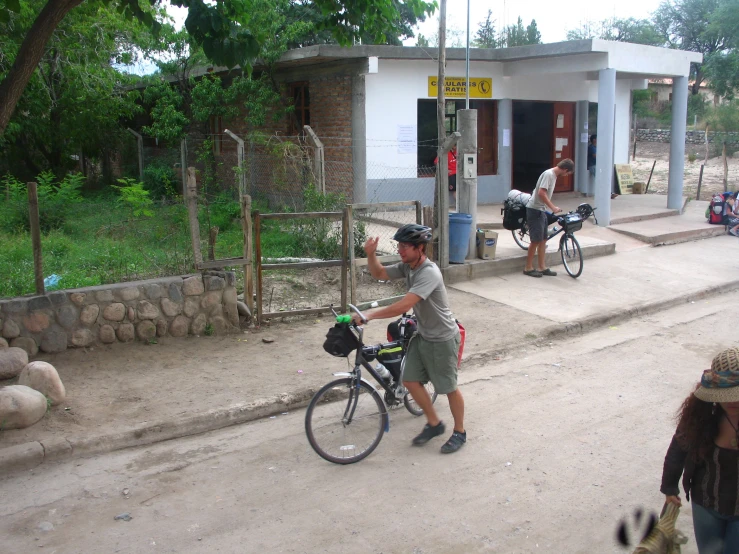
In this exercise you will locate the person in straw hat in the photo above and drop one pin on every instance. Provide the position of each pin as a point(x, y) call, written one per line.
point(705, 450)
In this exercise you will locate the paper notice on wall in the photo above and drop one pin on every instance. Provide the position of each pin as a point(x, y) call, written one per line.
point(584, 137)
point(407, 138)
point(585, 126)
point(560, 121)
point(506, 137)
point(559, 144)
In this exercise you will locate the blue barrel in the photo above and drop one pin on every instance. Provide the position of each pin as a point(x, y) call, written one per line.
point(460, 227)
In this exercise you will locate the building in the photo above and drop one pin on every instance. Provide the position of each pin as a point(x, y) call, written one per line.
point(374, 109)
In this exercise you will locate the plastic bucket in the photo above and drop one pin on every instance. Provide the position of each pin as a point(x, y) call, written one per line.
point(460, 227)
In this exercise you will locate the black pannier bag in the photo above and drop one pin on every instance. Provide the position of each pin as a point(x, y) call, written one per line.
point(391, 356)
point(340, 341)
point(394, 332)
point(572, 222)
point(514, 215)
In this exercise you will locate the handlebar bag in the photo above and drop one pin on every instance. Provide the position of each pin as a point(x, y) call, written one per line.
point(340, 341)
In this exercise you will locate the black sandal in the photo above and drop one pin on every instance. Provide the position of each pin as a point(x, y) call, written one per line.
point(455, 442)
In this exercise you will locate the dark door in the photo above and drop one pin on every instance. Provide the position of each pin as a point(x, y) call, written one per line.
point(564, 141)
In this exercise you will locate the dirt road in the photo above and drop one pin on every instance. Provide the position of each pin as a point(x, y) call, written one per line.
point(564, 440)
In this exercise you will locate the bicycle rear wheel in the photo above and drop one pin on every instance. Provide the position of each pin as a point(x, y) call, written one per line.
point(571, 254)
point(344, 423)
point(411, 405)
point(521, 236)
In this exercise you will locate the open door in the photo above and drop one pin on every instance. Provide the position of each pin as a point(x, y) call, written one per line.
point(563, 137)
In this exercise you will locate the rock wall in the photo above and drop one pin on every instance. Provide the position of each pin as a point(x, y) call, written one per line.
point(122, 312)
point(691, 137)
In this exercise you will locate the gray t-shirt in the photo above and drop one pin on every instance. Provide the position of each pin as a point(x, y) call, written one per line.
point(546, 181)
point(435, 321)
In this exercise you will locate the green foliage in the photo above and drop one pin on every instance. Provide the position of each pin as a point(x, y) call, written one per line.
point(724, 117)
point(75, 98)
point(168, 120)
point(518, 35)
point(637, 31)
point(485, 36)
point(55, 199)
point(209, 330)
point(134, 197)
point(160, 180)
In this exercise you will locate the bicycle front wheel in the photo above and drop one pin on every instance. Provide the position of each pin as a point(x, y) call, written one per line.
point(571, 254)
point(411, 405)
point(521, 236)
point(344, 423)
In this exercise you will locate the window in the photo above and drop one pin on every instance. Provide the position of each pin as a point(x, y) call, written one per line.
point(301, 101)
point(487, 133)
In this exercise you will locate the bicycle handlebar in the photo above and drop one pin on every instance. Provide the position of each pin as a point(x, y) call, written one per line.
point(346, 318)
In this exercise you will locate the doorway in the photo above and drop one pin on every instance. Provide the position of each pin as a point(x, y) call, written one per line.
point(542, 136)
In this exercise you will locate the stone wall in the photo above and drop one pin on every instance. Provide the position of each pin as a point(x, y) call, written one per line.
point(691, 137)
point(122, 312)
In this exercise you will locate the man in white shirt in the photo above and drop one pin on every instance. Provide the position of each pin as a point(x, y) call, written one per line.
point(536, 217)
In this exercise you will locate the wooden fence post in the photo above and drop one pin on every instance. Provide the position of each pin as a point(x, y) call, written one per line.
point(428, 221)
point(726, 167)
point(35, 237)
point(700, 180)
point(258, 241)
point(352, 256)
point(248, 268)
point(192, 212)
point(344, 256)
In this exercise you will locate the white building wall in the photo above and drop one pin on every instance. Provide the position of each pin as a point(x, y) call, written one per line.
point(393, 92)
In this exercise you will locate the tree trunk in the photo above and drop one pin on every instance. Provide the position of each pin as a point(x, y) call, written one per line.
point(29, 55)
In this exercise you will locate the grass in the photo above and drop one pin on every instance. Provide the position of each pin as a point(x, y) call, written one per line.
point(102, 242)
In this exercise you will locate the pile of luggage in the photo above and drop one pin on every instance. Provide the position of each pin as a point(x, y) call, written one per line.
point(514, 210)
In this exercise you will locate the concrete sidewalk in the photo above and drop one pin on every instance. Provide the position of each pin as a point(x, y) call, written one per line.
point(252, 379)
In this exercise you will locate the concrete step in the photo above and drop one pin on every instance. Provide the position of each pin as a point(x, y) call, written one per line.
point(515, 263)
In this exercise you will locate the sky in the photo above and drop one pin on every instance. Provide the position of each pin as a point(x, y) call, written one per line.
point(552, 19)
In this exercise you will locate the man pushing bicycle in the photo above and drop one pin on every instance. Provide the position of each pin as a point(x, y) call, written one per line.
point(432, 353)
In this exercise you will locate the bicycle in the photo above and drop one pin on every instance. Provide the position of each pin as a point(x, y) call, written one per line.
point(569, 247)
point(346, 418)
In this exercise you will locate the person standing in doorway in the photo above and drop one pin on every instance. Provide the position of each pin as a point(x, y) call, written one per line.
point(536, 217)
point(433, 350)
point(451, 170)
point(592, 151)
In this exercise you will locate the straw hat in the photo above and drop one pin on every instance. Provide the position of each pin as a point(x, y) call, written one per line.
point(721, 382)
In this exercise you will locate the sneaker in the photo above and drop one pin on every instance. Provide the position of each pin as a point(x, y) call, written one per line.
point(429, 433)
point(732, 232)
point(455, 442)
point(532, 273)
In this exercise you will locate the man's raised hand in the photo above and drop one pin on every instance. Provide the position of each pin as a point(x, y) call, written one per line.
point(370, 247)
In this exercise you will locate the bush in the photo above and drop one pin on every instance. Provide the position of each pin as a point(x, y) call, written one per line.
point(161, 180)
point(55, 198)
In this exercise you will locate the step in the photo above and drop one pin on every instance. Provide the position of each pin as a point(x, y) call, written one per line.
point(475, 269)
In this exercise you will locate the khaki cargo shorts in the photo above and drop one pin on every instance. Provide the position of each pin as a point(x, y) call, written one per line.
point(433, 361)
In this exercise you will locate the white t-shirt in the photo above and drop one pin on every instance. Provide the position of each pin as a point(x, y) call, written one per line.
point(546, 181)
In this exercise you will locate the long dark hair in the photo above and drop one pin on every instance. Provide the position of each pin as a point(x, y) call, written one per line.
point(697, 426)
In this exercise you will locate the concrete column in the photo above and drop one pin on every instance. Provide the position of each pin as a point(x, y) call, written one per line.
point(467, 188)
point(604, 159)
point(677, 143)
point(359, 140)
point(582, 178)
point(505, 153)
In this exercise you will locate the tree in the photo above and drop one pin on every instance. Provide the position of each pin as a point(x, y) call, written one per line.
point(485, 36)
point(422, 41)
point(637, 31)
point(224, 28)
point(74, 100)
point(697, 25)
point(518, 35)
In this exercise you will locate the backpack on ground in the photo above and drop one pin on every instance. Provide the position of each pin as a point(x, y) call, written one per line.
point(717, 209)
point(514, 210)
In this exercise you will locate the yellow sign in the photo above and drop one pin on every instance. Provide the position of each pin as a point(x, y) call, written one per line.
point(456, 87)
point(625, 178)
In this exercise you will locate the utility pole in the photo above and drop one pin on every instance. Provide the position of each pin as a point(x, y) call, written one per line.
point(442, 176)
